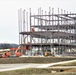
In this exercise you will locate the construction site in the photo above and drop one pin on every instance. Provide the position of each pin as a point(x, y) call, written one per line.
point(51, 31)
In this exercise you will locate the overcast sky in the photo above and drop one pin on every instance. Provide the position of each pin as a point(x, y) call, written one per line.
point(9, 14)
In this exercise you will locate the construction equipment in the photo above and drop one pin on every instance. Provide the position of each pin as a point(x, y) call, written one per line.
point(48, 53)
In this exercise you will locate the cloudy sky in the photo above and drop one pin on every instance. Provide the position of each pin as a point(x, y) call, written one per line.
point(9, 14)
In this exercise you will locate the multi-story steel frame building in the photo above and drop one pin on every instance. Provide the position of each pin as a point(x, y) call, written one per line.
point(48, 30)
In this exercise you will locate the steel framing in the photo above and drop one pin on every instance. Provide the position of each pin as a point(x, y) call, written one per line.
point(53, 31)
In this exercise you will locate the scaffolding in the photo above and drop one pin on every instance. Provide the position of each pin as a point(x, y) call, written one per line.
point(48, 30)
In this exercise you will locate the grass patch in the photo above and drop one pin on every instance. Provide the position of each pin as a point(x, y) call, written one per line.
point(36, 71)
point(34, 60)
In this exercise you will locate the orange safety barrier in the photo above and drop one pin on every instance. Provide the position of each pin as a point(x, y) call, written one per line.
point(13, 48)
point(24, 48)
